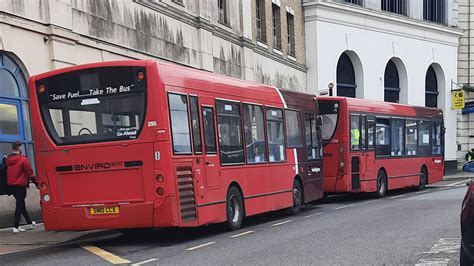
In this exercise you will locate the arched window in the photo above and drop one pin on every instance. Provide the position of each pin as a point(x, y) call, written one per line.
point(346, 84)
point(14, 110)
point(392, 83)
point(431, 88)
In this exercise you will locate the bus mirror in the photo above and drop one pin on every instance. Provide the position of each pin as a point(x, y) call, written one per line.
point(319, 120)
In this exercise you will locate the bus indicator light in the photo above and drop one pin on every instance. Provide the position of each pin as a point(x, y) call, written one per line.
point(44, 186)
point(46, 198)
point(42, 88)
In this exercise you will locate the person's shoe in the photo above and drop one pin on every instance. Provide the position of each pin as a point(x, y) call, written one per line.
point(30, 226)
point(18, 230)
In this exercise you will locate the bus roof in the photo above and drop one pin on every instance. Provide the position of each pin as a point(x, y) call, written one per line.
point(380, 107)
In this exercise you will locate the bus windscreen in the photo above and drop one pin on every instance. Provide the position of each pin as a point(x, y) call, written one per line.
point(93, 105)
point(329, 110)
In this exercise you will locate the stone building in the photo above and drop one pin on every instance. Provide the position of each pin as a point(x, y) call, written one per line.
point(465, 133)
point(393, 50)
point(260, 40)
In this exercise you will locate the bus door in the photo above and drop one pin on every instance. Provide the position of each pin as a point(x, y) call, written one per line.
point(355, 150)
point(369, 152)
point(210, 156)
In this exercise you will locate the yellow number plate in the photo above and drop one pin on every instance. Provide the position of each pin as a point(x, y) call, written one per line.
point(105, 210)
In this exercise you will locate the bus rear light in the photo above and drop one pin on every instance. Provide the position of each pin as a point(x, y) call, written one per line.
point(140, 76)
point(160, 178)
point(46, 198)
point(44, 186)
point(341, 165)
point(160, 191)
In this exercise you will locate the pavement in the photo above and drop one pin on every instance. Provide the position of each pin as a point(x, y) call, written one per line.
point(406, 227)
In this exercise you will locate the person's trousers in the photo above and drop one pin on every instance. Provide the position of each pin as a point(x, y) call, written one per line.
point(20, 209)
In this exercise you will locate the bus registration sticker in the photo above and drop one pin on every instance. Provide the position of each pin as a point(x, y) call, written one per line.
point(105, 210)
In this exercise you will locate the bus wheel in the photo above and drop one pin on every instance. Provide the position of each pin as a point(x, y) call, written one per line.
point(423, 179)
point(297, 197)
point(381, 184)
point(235, 208)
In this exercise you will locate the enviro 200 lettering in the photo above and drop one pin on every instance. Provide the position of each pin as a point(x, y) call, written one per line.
point(96, 166)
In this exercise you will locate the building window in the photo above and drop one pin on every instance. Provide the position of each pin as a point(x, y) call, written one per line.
point(276, 26)
point(254, 126)
point(395, 6)
point(355, 2)
point(14, 111)
point(392, 83)
point(346, 85)
point(229, 128)
point(290, 24)
point(222, 9)
point(261, 25)
point(434, 10)
point(178, 2)
point(431, 88)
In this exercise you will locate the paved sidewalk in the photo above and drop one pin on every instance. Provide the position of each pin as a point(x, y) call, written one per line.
point(38, 238)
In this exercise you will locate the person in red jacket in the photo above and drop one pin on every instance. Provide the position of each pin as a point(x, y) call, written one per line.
point(19, 174)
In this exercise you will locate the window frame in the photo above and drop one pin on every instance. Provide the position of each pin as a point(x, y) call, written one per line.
point(222, 14)
point(298, 112)
point(242, 136)
point(276, 27)
point(290, 31)
point(243, 105)
point(267, 108)
point(261, 21)
point(171, 122)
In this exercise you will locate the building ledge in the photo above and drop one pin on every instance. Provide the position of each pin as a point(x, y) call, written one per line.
point(368, 14)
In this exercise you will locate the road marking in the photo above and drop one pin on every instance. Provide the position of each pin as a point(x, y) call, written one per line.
point(370, 201)
point(445, 245)
point(242, 234)
point(114, 259)
point(315, 214)
point(284, 222)
point(342, 207)
point(200, 246)
point(462, 185)
point(399, 196)
point(432, 261)
point(456, 183)
point(444, 188)
point(145, 262)
point(421, 192)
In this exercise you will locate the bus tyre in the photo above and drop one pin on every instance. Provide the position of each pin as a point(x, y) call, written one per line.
point(235, 208)
point(381, 184)
point(297, 197)
point(464, 259)
point(423, 179)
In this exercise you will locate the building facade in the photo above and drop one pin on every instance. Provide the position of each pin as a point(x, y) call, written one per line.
point(258, 40)
point(393, 50)
point(465, 124)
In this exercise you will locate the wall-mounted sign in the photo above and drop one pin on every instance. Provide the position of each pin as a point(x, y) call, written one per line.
point(457, 99)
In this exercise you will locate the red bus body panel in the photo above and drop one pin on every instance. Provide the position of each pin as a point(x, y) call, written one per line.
point(402, 172)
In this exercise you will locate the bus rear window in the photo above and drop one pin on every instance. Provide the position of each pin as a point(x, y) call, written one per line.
point(329, 110)
point(93, 105)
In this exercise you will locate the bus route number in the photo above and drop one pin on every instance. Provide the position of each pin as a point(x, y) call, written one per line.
point(152, 124)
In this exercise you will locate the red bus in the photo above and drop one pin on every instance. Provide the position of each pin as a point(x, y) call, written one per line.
point(374, 146)
point(143, 144)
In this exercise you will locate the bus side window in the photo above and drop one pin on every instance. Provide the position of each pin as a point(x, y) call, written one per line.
point(436, 138)
point(411, 138)
point(229, 128)
point(293, 129)
point(363, 133)
point(196, 124)
point(370, 134)
point(313, 145)
point(209, 130)
point(355, 132)
point(424, 138)
point(275, 135)
point(254, 126)
point(382, 140)
point(181, 136)
point(398, 136)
